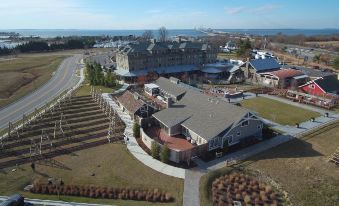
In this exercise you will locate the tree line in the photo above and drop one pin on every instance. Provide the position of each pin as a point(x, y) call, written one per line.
point(43, 46)
point(96, 76)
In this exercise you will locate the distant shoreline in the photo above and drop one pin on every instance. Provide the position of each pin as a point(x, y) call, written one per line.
point(51, 33)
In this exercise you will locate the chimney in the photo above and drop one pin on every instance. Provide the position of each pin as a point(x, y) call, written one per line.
point(169, 102)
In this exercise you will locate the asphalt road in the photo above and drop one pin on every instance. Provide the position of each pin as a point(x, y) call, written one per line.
point(64, 78)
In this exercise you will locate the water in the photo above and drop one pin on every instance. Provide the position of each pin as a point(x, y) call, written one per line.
point(44, 33)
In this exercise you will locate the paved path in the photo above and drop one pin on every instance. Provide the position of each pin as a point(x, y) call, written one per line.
point(191, 187)
point(64, 78)
point(53, 202)
point(137, 151)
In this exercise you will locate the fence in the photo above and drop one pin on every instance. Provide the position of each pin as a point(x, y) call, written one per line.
point(39, 112)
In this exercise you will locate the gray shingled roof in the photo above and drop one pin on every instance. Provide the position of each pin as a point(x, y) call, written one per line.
point(204, 115)
point(329, 84)
point(169, 87)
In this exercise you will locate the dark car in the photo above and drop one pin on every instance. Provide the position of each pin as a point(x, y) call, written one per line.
point(14, 200)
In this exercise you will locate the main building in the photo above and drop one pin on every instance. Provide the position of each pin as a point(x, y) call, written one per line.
point(141, 60)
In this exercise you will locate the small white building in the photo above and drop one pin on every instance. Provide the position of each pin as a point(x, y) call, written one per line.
point(151, 89)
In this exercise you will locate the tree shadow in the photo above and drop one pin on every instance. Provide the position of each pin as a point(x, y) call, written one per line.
point(295, 148)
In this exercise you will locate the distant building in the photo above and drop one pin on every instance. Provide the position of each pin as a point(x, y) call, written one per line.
point(255, 69)
point(284, 78)
point(136, 61)
point(322, 86)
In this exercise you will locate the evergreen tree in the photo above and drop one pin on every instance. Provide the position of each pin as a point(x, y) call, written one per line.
point(164, 154)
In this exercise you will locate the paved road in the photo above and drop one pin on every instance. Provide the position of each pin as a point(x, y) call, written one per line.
point(38, 202)
point(65, 77)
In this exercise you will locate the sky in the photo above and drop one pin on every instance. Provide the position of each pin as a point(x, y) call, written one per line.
point(173, 14)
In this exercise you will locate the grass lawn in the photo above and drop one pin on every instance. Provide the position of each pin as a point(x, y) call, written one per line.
point(113, 166)
point(227, 56)
point(277, 111)
point(22, 75)
point(300, 167)
point(85, 89)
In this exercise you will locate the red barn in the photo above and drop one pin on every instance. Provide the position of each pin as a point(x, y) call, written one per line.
point(321, 86)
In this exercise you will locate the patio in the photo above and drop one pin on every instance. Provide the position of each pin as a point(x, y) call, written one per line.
point(177, 142)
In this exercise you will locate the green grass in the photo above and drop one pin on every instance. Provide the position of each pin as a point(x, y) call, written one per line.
point(113, 166)
point(22, 75)
point(277, 111)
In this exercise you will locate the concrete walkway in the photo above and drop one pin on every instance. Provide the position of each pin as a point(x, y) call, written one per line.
point(53, 202)
point(137, 151)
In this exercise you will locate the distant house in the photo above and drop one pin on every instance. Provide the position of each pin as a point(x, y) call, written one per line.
point(254, 68)
point(321, 86)
point(284, 78)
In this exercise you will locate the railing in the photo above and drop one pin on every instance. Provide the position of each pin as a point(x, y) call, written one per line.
point(39, 112)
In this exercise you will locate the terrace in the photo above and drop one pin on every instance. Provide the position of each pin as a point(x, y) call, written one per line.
point(177, 142)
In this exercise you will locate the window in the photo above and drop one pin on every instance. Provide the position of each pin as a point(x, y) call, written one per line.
point(259, 126)
point(230, 140)
point(311, 86)
point(244, 123)
point(238, 133)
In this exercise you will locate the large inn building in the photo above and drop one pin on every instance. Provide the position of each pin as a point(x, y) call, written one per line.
point(141, 59)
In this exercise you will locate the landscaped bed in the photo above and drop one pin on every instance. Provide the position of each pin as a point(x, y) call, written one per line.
point(278, 112)
point(299, 167)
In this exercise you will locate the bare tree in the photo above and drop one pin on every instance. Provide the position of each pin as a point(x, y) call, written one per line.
point(163, 33)
point(147, 35)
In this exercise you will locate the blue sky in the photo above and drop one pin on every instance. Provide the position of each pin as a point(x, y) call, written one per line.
point(174, 14)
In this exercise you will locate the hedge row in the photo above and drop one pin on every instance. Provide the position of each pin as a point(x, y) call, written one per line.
point(154, 195)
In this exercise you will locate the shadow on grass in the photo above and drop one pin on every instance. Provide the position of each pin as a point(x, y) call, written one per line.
point(295, 148)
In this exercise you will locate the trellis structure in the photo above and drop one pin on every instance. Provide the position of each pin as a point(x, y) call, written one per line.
point(334, 157)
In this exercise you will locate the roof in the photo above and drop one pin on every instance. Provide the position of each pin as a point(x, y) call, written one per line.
point(206, 116)
point(151, 86)
point(285, 73)
point(130, 102)
point(330, 84)
point(169, 87)
point(313, 73)
point(261, 65)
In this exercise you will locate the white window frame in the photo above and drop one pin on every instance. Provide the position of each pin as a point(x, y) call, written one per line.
point(311, 86)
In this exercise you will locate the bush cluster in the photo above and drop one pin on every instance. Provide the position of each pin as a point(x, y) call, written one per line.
point(154, 195)
point(240, 187)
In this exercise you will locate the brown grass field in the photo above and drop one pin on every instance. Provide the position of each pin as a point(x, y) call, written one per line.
point(22, 75)
point(300, 167)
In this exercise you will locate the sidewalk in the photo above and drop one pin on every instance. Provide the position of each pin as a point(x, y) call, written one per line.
point(137, 151)
point(54, 202)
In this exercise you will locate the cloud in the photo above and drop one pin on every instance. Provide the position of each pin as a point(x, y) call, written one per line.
point(153, 11)
point(235, 10)
point(256, 10)
point(266, 8)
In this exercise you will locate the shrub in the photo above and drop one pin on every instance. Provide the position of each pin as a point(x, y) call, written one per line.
point(164, 154)
point(155, 149)
point(136, 130)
